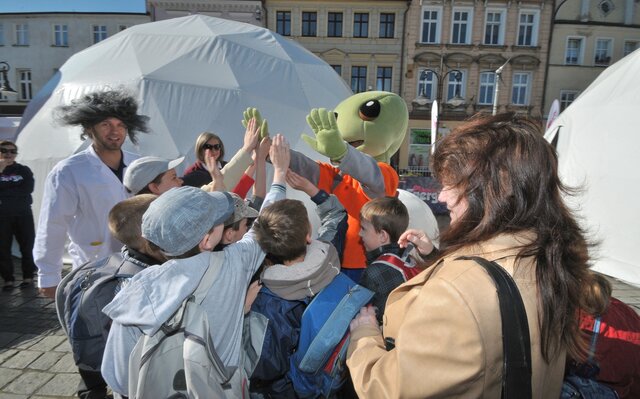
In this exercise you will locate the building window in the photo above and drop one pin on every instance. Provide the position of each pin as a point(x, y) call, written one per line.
point(60, 36)
point(427, 85)
point(25, 84)
point(99, 33)
point(487, 88)
point(360, 24)
point(430, 25)
point(283, 23)
point(338, 69)
point(566, 98)
point(2, 82)
point(494, 27)
point(358, 79)
point(629, 47)
point(456, 85)
point(387, 25)
point(383, 82)
point(22, 34)
point(520, 91)
point(573, 52)
point(528, 28)
point(309, 23)
point(334, 27)
point(603, 52)
point(461, 26)
point(1, 35)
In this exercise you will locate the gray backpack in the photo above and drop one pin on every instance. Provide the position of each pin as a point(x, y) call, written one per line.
point(180, 361)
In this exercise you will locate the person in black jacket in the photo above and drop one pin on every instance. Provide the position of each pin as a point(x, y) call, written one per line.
point(16, 218)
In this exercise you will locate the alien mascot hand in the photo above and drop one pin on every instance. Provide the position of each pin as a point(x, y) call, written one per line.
point(328, 141)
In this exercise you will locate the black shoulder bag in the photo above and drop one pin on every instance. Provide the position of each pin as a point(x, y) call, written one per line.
point(516, 373)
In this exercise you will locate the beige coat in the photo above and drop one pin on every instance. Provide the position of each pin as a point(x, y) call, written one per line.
point(447, 329)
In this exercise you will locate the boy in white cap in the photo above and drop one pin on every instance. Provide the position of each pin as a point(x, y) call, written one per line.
point(152, 175)
point(182, 222)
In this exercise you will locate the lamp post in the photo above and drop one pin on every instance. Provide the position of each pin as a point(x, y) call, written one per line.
point(5, 88)
point(456, 101)
point(497, 89)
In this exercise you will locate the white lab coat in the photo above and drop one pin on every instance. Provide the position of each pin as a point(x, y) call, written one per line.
point(78, 194)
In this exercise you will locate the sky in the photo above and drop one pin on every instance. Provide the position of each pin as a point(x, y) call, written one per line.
point(20, 6)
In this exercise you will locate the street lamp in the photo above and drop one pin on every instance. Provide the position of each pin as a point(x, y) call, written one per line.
point(497, 90)
point(5, 88)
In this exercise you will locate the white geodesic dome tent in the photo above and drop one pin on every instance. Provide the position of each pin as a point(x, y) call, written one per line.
point(597, 138)
point(189, 75)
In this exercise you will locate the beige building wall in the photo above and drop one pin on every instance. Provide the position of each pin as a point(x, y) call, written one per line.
point(40, 58)
point(571, 68)
point(348, 51)
point(474, 57)
point(247, 11)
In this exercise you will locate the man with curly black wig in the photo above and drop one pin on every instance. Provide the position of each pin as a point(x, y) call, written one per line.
point(81, 190)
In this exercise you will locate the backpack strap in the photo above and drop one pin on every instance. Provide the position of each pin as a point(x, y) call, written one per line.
point(215, 264)
point(594, 340)
point(516, 377)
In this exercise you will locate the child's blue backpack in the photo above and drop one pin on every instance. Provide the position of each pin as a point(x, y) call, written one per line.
point(318, 367)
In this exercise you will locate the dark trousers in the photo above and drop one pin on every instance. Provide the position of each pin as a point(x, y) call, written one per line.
point(20, 226)
point(92, 385)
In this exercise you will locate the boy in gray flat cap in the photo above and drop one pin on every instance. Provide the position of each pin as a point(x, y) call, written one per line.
point(183, 222)
point(152, 175)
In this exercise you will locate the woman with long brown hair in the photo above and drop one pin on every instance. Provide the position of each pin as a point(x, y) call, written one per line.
point(441, 334)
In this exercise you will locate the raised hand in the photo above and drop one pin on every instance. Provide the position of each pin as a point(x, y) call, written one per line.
point(262, 123)
point(280, 158)
point(301, 183)
point(328, 140)
point(251, 135)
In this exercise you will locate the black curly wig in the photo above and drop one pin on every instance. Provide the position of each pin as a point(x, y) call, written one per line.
point(100, 105)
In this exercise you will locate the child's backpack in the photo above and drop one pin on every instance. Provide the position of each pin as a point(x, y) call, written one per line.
point(318, 367)
point(80, 297)
point(180, 360)
point(401, 264)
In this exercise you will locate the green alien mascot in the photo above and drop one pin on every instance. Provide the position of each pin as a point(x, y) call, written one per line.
point(359, 137)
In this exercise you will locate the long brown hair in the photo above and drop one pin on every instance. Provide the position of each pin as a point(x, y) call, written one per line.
point(508, 174)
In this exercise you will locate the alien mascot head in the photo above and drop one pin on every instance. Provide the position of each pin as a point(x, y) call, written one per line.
point(359, 137)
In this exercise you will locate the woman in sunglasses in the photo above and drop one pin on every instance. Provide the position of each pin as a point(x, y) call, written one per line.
point(208, 145)
point(16, 219)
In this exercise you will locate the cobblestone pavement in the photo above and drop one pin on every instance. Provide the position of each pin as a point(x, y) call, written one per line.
point(35, 357)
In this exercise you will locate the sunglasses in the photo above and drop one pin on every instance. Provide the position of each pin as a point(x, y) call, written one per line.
point(211, 147)
point(8, 151)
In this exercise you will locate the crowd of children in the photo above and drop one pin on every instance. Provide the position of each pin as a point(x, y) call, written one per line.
point(271, 269)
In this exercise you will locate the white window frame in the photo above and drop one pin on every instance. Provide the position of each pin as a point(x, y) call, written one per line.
point(527, 88)
point(491, 87)
point(534, 30)
point(624, 45)
point(95, 32)
point(501, 28)
point(580, 59)
point(60, 35)
point(21, 34)
point(609, 52)
point(433, 82)
point(438, 22)
point(452, 82)
point(469, 23)
point(563, 100)
point(25, 85)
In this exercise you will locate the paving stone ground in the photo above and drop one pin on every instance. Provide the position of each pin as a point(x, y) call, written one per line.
point(35, 357)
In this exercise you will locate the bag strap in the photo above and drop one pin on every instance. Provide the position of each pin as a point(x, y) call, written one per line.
point(198, 295)
point(516, 379)
point(215, 264)
point(594, 340)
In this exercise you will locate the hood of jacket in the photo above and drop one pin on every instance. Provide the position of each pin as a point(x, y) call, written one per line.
point(304, 279)
point(154, 294)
